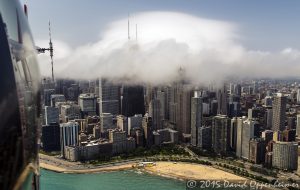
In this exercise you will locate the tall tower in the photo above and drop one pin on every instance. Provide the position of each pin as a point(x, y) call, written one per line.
point(221, 134)
point(196, 119)
point(279, 107)
point(222, 101)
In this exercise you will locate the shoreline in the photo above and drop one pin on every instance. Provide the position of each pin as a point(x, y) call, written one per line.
point(166, 169)
point(58, 169)
point(190, 171)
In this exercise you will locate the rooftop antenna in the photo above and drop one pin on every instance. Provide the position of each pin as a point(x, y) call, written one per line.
point(128, 28)
point(136, 32)
point(50, 49)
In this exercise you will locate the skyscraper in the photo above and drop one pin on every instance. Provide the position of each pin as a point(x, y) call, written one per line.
point(298, 125)
point(155, 113)
point(269, 118)
point(87, 103)
point(109, 95)
point(122, 123)
point(222, 101)
point(183, 110)
point(285, 155)
point(298, 96)
point(57, 98)
point(233, 133)
point(68, 135)
point(279, 108)
point(70, 111)
point(47, 96)
point(161, 97)
point(51, 115)
point(257, 150)
point(239, 135)
point(196, 119)
point(247, 134)
point(106, 120)
point(204, 137)
point(132, 100)
point(147, 127)
point(221, 134)
point(50, 137)
point(134, 122)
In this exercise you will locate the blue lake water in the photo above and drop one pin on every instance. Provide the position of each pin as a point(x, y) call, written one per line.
point(117, 180)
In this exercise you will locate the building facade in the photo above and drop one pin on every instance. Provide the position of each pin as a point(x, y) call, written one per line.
point(285, 155)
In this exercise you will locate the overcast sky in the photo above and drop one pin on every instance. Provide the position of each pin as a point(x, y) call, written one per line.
point(267, 25)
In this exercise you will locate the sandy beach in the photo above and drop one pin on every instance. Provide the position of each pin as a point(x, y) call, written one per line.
point(178, 170)
point(81, 171)
point(191, 171)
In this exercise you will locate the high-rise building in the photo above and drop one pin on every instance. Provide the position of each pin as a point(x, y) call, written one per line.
point(139, 135)
point(122, 123)
point(247, 134)
point(234, 106)
point(147, 127)
point(298, 125)
point(237, 89)
point(51, 115)
point(183, 110)
point(55, 98)
point(257, 150)
point(109, 95)
point(50, 137)
point(214, 107)
point(279, 108)
point(87, 103)
point(289, 135)
point(135, 122)
point(268, 100)
point(298, 96)
point(233, 133)
point(269, 118)
point(70, 111)
point(221, 134)
point(204, 137)
point(68, 135)
point(267, 135)
point(97, 132)
point(72, 92)
point(155, 113)
point(132, 100)
point(47, 96)
point(196, 119)
point(285, 155)
point(162, 98)
point(106, 120)
point(239, 135)
point(291, 122)
point(231, 88)
point(120, 142)
point(222, 101)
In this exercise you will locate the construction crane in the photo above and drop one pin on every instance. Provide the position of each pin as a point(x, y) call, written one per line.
point(50, 49)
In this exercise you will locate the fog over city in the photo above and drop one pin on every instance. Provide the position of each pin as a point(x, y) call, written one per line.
point(165, 42)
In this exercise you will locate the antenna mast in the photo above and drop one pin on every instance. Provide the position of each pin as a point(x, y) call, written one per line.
point(136, 32)
point(128, 28)
point(51, 50)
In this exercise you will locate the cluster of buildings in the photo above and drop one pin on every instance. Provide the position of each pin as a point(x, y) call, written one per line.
point(257, 121)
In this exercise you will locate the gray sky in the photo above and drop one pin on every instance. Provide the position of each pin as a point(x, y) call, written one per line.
point(268, 25)
point(211, 39)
